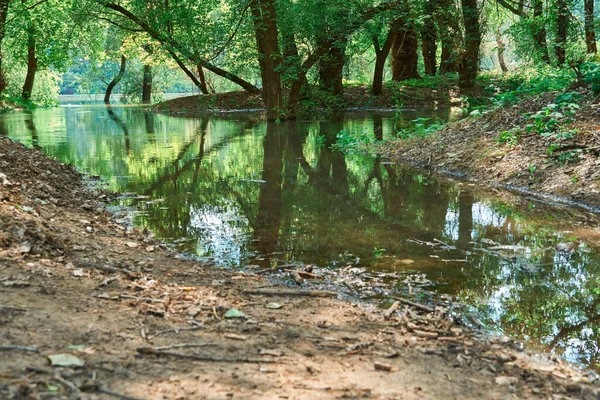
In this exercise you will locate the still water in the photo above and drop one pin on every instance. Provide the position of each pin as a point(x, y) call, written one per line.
point(239, 191)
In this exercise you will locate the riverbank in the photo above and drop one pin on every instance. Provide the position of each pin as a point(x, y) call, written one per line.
point(442, 92)
point(548, 144)
point(145, 322)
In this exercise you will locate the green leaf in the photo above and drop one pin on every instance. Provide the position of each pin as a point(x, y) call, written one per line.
point(234, 313)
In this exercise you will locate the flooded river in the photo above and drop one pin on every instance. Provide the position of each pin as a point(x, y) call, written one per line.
point(237, 191)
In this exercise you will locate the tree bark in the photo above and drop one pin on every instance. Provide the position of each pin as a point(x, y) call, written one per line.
point(3, 15)
point(469, 63)
point(562, 27)
point(147, 85)
point(500, 47)
point(203, 83)
point(539, 33)
point(449, 29)
point(265, 29)
point(187, 71)
point(428, 40)
point(404, 48)
point(32, 62)
point(590, 32)
point(331, 69)
point(115, 81)
point(381, 55)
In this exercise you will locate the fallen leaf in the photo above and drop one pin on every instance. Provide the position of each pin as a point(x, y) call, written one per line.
point(274, 306)
point(506, 380)
point(406, 262)
point(234, 313)
point(235, 337)
point(133, 245)
point(268, 352)
point(78, 273)
point(150, 249)
point(66, 360)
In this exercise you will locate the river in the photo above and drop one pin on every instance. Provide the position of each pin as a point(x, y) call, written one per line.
point(236, 191)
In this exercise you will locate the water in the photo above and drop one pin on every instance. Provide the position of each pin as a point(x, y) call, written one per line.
point(238, 191)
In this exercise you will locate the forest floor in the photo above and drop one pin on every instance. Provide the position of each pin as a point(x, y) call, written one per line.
point(444, 94)
point(131, 318)
point(547, 144)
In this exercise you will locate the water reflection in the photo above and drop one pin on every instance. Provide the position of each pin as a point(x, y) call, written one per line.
point(240, 191)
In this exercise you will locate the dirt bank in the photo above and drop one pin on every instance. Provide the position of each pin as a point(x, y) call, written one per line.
point(355, 97)
point(147, 324)
point(549, 144)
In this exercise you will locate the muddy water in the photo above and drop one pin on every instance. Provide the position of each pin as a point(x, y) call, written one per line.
point(240, 192)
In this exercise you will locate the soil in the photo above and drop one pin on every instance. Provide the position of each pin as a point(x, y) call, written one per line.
point(472, 148)
point(148, 323)
point(355, 97)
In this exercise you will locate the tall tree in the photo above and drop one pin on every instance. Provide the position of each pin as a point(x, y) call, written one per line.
point(539, 29)
point(381, 55)
point(590, 29)
point(3, 15)
point(269, 58)
point(32, 61)
point(428, 39)
point(405, 57)
point(115, 81)
point(469, 62)
point(562, 29)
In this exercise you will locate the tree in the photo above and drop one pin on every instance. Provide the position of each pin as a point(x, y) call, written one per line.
point(469, 61)
point(404, 47)
point(590, 30)
point(428, 39)
point(115, 81)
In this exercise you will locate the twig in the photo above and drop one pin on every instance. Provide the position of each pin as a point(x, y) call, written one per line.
point(11, 307)
point(151, 351)
point(304, 274)
point(23, 348)
point(296, 277)
point(416, 305)
point(292, 292)
point(126, 296)
point(445, 244)
point(182, 345)
point(67, 383)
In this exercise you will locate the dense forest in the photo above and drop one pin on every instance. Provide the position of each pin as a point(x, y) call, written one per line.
point(278, 48)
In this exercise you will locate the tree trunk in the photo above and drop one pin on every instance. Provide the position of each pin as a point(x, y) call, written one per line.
point(428, 40)
point(562, 27)
point(539, 34)
point(469, 63)
point(331, 70)
point(32, 64)
point(448, 26)
point(265, 29)
point(500, 47)
point(381, 54)
point(115, 80)
point(590, 32)
point(147, 85)
point(203, 84)
point(404, 49)
point(3, 15)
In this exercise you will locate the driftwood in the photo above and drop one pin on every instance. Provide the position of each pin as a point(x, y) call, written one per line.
point(296, 277)
point(388, 313)
point(415, 305)
point(151, 351)
point(292, 292)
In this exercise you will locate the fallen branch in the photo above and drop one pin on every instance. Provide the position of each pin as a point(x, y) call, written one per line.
point(23, 348)
point(174, 330)
point(70, 385)
point(100, 388)
point(126, 296)
point(292, 292)
point(296, 277)
point(388, 313)
point(181, 346)
point(304, 274)
point(11, 307)
point(151, 351)
point(416, 305)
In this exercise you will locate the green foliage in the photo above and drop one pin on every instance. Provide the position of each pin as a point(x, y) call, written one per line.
point(352, 143)
point(510, 137)
point(591, 75)
point(378, 253)
point(420, 127)
point(530, 82)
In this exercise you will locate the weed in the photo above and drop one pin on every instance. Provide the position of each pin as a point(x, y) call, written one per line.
point(510, 137)
point(377, 253)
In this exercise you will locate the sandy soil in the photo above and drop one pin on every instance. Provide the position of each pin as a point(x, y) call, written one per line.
point(472, 147)
point(147, 324)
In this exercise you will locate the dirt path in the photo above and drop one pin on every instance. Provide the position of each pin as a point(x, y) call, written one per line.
point(149, 325)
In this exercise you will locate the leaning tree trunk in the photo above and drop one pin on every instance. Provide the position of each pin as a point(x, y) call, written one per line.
point(469, 63)
point(562, 27)
point(115, 81)
point(590, 32)
point(203, 83)
point(501, 47)
point(331, 70)
point(147, 85)
point(404, 50)
point(428, 40)
point(265, 30)
point(539, 33)
point(32, 63)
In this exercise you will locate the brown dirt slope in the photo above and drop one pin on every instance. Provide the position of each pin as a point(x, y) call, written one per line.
point(474, 147)
point(149, 325)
